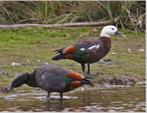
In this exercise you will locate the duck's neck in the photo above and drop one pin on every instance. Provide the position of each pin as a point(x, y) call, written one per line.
point(106, 41)
point(103, 34)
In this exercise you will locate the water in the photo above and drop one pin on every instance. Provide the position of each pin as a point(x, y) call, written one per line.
point(112, 99)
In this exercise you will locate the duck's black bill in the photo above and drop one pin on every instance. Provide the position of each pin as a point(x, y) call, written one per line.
point(87, 82)
point(118, 33)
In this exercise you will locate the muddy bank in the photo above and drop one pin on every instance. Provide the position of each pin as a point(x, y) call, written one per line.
point(103, 80)
point(118, 80)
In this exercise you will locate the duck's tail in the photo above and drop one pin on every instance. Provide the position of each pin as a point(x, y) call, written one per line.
point(59, 55)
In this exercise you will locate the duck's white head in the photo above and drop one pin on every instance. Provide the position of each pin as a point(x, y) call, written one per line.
point(109, 31)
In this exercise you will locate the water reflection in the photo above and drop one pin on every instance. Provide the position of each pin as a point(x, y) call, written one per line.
point(118, 99)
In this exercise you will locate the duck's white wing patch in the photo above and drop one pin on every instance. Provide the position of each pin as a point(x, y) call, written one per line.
point(94, 46)
point(82, 49)
point(90, 48)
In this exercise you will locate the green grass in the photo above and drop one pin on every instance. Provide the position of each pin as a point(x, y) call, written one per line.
point(29, 46)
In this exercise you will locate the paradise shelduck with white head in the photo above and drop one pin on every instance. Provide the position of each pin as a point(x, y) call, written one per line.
point(51, 78)
point(89, 51)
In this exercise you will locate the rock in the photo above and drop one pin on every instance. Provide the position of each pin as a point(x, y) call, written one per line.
point(45, 63)
point(35, 31)
point(129, 50)
point(15, 64)
point(113, 53)
point(38, 60)
point(141, 50)
point(120, 80)
point(28, 61)
point(107, 60)
point(141, 83)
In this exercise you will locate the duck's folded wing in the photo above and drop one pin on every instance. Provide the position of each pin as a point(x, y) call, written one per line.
point(75, 76)
point(87, 49)
point(69, 50)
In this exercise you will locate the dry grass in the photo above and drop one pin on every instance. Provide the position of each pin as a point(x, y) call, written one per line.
point(132, 13)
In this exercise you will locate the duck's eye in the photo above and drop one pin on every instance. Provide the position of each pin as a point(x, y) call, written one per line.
point(112, 28)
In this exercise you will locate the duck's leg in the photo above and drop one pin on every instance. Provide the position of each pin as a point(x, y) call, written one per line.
point(61, 96)
point(83, 67)
point(88, 67)
point(48, 95)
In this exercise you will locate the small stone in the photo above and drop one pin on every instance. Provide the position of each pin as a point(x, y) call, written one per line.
point(28, 61)
point(45, 63)
point(107, 60)
point(129, 50)
point(141, 50)
point(38, 60)
point(35, 31)
point(113, 53)
point(15, 64)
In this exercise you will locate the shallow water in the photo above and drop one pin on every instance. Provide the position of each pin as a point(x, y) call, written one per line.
point(112, 99)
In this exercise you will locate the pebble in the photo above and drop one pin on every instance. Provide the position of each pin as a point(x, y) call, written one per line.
point(141, 50)
point(15, 64)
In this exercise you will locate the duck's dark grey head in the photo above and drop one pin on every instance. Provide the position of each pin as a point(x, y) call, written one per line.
point(20, 80)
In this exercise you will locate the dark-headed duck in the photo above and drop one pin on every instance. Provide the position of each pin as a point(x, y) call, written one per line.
point(51, 78)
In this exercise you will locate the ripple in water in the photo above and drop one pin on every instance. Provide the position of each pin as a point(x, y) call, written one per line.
point(117, 99)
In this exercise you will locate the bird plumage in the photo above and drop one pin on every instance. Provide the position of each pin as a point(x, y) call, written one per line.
point(88, 51)
point(51, 78)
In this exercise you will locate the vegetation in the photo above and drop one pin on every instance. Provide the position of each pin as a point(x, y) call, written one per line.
point(22, 50)
point(132, 13)
point(25, 49)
